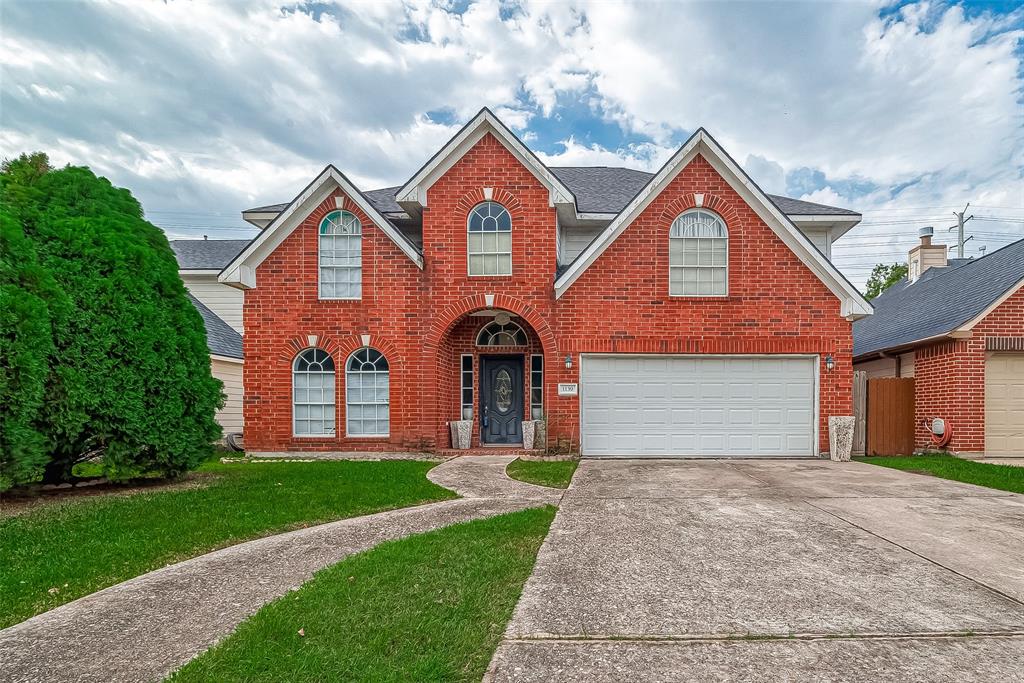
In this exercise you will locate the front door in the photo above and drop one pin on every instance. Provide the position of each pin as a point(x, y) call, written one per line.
point(501, 399)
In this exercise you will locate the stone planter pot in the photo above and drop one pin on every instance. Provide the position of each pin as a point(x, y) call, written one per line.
point(535, 434)
point(840, 437)
point(462, 433)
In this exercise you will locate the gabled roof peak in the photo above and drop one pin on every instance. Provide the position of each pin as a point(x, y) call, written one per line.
point(412, 196)
point(703, 144)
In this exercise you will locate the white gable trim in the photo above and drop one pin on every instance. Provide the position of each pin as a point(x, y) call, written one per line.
point(241, 272)
point(854, 305)
point(413, 195)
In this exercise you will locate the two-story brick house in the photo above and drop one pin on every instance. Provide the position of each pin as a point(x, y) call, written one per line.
point(694, 314)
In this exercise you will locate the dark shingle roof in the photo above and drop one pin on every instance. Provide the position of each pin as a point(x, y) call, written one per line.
point(940, 301)
point(602, 189)
point(221, 338)
point(269, 208)
point(598, 189)
point(384, 200)
point(798, 207)
point(206, 254)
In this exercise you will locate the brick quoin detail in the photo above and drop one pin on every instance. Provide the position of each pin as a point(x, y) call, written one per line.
point(420, 319)
point(949, 378)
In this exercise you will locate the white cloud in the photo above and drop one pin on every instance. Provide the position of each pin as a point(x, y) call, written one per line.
point(208, 108)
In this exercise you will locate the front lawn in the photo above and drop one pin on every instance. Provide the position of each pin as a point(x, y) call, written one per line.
point(553, 473)
point(1002, 477)
point(427, 608)
point(59, 552)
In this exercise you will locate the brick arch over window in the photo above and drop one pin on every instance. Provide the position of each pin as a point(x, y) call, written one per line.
point(448, 316)
point(298, 343)
point(474, 197)
point(711, 202)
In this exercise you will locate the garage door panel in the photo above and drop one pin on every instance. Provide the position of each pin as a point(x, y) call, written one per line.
point(689, 405)
point(1004, 404)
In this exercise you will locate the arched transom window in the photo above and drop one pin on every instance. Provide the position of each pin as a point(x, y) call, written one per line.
point(497, 334)
point(341, 256)
point(698, 255)
point(367, 380)
point(490, 240)
point(313, 394)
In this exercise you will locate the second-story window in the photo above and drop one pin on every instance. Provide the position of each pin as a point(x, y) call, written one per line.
point(341, 256)
point(698, 255)
point(490, 240)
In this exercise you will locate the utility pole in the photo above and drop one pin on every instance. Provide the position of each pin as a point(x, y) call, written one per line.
point(960, 229)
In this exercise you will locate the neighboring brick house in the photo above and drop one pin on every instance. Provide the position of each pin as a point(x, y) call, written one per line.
point(678, 313)
point(957, 327)
point(199, 262)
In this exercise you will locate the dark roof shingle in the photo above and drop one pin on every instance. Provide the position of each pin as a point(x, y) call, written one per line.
point(206, 254)
point(798, 207)
point(940, 301)
point(221, 338)
point(598, 189)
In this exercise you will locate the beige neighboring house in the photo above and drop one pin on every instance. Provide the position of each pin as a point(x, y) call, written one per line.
point(199, 262)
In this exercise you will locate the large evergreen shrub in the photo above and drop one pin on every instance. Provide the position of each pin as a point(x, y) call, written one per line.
point(101, 352)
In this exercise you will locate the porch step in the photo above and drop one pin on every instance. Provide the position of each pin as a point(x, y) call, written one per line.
point(489, 450)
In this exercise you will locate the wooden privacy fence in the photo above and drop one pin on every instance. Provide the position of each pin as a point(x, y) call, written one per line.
point(890, 416)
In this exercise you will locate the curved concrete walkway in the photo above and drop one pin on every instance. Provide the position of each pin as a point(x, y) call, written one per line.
point(147, 627)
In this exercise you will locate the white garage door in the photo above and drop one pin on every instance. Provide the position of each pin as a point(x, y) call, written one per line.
point(717, 406)
point(1004, 404)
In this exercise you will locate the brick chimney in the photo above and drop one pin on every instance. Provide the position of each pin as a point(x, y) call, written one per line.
point(925, 255)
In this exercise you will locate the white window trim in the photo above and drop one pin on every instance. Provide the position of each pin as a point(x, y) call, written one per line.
point(334, 405)
point(541, 387)
point(349, 435)
point(470, 254)
point(462, 386)
point(319, 285)
point(519, 327)
point(670, 266)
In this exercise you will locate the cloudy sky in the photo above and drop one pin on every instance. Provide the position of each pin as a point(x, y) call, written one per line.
point(903, 111)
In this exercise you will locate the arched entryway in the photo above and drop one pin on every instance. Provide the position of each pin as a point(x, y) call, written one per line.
point(491, 369)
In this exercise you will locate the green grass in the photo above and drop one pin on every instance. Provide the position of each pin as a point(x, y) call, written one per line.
point(427, 608)
point(1002, 477)
point(62, 551)
point(554, 473)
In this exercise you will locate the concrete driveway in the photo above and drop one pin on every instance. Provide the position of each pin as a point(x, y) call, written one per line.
point(772, 570)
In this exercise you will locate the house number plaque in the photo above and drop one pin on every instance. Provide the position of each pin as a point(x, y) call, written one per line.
point(568, 389)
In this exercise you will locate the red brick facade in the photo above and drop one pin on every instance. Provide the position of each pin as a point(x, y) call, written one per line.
point(420, 318)
point(949, 378)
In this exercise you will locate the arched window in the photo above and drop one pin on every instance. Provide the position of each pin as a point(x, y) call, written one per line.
point(490, 240)
point(341, 256)
point(367, 401)
point(498, 334)
point(698, 255)
point(313, 394)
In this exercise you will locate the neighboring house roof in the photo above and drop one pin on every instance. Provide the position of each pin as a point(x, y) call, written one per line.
point(221, 338)
point(942, 301)
point(206, 254)
point(598, 189)
point(854, 305)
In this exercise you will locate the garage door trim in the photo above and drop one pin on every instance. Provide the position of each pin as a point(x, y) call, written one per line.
point(816, 358)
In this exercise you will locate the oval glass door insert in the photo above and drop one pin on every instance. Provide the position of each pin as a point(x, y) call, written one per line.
point(503, 391)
